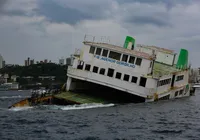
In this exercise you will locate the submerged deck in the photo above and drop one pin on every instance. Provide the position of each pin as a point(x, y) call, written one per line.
point(79, 98)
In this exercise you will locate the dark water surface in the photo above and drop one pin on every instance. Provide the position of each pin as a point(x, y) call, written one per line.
point(173, 120)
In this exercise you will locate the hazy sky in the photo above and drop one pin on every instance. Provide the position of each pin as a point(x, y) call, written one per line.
point(54, 28)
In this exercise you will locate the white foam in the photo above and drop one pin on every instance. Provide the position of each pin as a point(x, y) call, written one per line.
point(85, 106)
point(10, 97)
point(20, 108)
point(68, 107)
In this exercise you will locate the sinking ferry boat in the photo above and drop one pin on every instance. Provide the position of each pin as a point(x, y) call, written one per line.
point(104, 73)
point(132, 73)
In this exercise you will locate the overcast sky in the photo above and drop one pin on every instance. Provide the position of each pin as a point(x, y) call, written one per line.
point(55, 28)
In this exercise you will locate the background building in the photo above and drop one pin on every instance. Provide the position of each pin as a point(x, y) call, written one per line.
point(61, 61)
point(29, 62)
point(25, 62)
point(32, 62)
point(4, 64)
point(45, 61)
point(1, 62)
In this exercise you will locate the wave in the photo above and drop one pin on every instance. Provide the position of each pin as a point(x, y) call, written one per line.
point(57, 107)
point(10, 97)
point(85, 106)
point(20, 108)
point(74, 107)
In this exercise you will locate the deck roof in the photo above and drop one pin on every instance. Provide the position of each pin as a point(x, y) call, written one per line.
point(120, 49)
point(164, 50)
point(163, 69)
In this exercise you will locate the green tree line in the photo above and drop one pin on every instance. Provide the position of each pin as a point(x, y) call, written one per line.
point(36, 70)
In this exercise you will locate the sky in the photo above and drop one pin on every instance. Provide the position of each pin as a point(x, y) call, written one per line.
point(53, 29)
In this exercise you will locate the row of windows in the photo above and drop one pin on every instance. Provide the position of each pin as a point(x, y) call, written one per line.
point(164, 82)
point(118, 75)
point(168, 81)
point(179, 78)
point(165, 98)
point(179, 93)
point(116, 55)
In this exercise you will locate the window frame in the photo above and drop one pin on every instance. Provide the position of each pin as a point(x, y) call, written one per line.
point(95, 69)
point(134, 77)
point(91, 49)
point(116, 76)
point(129, 61)
point(100, 71)
point(86, 67)
point(136, 62)
point(112, 70)
point(109, 56)
point(126, 76)
point(105, 50)
point(97, 50)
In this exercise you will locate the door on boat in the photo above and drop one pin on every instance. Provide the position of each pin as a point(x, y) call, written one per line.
point(173, 79)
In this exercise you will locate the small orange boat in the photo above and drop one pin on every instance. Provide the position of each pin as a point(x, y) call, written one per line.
point(33, 101)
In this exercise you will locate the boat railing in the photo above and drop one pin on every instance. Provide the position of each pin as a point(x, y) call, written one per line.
point(77, 52)
point(101, 39)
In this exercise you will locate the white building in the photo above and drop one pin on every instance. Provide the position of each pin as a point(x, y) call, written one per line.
point(1, 61)
point(61, 61)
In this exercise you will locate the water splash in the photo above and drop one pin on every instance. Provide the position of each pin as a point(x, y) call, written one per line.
point(20, 108)
point(13, 97)
point(85, 106)
point(74, 107)
point(57, 107)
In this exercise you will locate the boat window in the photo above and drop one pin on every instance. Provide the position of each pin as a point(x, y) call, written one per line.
point(138, 61)
point(134, 79)
point(95, 69)
point(126, 77)
point(87, 67)
point(105, 53)
point(125, 58)
point(110, 72)
point(143, 81)
point(114, 55)
point(179, 78)
point(118, 75)
point(131, 59)
point(164, 98)
point(102, 71)
point(80, 65)
point(164, 82)
point(98, 52)
point(176, 93)
point(92, 49)
point(181, 92)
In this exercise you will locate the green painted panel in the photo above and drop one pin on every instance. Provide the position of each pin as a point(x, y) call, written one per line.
point(129, 39)
point(182, 62)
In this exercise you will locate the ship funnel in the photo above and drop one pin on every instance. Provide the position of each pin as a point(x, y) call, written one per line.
point(129, 43)
point(182, 62)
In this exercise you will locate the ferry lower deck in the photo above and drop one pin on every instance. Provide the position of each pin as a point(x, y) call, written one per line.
point(88, 90)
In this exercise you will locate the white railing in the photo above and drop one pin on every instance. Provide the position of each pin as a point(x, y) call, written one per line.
point(77, 52)
point(102, 39)
point(97, 39)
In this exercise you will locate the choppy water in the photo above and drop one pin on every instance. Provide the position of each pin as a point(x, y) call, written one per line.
point(174, 120)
